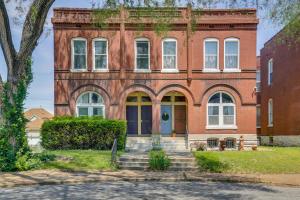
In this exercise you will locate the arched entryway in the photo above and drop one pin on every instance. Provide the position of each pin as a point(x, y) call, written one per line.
point(139, 114)
point(173, 117)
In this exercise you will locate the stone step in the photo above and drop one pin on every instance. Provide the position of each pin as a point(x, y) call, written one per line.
point(173, 164)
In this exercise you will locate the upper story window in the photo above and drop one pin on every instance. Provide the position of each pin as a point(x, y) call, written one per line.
point(211, 52)
point(100, 52)
point(79, 54)
point(90, 104)
point(221, 111)
point(270, 112)
point(232, 51)
point(142, 54)
point(169, 57)
point(258, 79)
point(270, 71)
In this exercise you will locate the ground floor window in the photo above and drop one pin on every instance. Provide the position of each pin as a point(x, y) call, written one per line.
point(230, 143)
point(213, 142)
point(90, 104)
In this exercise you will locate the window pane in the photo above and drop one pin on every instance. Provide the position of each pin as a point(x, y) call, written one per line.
point(169, 62)
point(131, 99)
point(79, 47)
point(231, 47)
point(213, 120)
point(228, 110)
point(98, 111)
point(211, 47)
point(215, 98)
point(226, 98)
point(79, 62)
point(228, 120)
point(211, 61)
point(96, 98)
point(179, 98)
point(142, 62)
point(146, 99)
point(213, 110)
point(83, 111)
point(101, 62)
point(142, 47)
point(84, 99)
point(230, 143)
point(100, 47)
point(169, 48)
point(212, 143)
point(166, 99)
point(231, 62)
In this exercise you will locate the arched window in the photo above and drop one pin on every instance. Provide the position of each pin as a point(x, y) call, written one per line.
point(221, 111)
point(90, 104)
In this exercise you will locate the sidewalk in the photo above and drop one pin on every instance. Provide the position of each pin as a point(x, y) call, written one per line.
point(46, 177)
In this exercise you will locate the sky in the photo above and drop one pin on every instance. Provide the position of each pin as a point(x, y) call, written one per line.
point(41, 91)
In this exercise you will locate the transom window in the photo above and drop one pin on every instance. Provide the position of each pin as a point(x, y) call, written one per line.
point(232, 54)
point(169, 54)
point(211, 51)
point(221, 111)
point(270, 112)
point(142, 54)
point(90, 104)
point(270, 71)
point(100, 54)
point(79, 61)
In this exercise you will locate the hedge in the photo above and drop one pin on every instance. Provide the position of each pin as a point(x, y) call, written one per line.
point(82, 133)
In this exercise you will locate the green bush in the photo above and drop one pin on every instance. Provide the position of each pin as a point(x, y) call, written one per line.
point(82, 133)
point(159, 160)
point(32, 160)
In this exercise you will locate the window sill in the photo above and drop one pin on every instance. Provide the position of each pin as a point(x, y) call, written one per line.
point(221, 127)
point(270, 125)
point(79, 70)
point(169, 71)
point(100, 70)
point(142, 71)
point(232, 70)
point(211, 70)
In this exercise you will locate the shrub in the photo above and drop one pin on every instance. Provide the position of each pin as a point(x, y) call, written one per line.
point(32, 160)
point(159, 160)
point(82, 133)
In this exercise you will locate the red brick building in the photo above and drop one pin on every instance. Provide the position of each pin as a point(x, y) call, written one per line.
point(197, 83)
point(280, 91)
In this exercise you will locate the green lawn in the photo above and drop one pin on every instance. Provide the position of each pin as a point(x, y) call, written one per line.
point(80, 160)
point(267, 160)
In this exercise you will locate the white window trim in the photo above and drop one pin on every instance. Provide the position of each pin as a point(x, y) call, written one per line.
point(270, 65)
point(270, 103)
point(221, 119)
point(238, 60)
point(94, 55)
point(135, 57)
point(204, 55)
point(163, 70)
point(90, 106)
point(258, 106)
point(72, 54)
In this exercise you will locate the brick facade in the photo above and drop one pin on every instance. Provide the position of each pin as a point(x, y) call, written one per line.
point(190, 80)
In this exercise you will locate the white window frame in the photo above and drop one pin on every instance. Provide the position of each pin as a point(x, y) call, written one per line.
point(94, 55)
point(258, 116)
point(217, 69)
point(162, 52)
point(90, 106)
point(72, 54)
point(270, 113)
point(270, 71)
point(221, 116)
point(258, 81)
point(135, 53)
point(238, 56)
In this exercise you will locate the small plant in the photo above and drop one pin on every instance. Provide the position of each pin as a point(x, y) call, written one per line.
point(159, 161)
point(201, 146)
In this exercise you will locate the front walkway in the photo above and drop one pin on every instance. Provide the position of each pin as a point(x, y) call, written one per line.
point(47, 177)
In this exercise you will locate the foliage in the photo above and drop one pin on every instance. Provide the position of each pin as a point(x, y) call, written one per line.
point(83, 133)
point(79, 160)
point(266, 160)
point(13, 140)
point(158, 160)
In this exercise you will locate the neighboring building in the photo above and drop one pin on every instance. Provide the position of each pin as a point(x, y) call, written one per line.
point(198, 84)
point(36, 118)
point(258, 96)
point(280, 91)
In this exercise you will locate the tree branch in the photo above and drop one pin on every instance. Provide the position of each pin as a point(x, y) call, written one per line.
point(6, 38)
point(34, 26)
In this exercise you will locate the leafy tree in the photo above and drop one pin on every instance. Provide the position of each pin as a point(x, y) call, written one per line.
point(13, 143)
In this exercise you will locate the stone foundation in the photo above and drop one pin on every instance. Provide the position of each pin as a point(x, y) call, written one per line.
point(292, 140)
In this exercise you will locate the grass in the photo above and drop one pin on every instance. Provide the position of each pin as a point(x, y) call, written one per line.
point(267, 160)
point(80, 160)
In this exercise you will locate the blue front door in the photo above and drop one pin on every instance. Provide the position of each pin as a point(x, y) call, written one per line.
point(166, 120)
point(146, 117)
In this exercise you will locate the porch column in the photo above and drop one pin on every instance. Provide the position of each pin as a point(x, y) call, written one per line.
point(156, 117)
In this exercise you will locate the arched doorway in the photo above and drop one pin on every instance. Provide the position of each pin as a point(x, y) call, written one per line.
point(139, 114)
point(173, 114)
